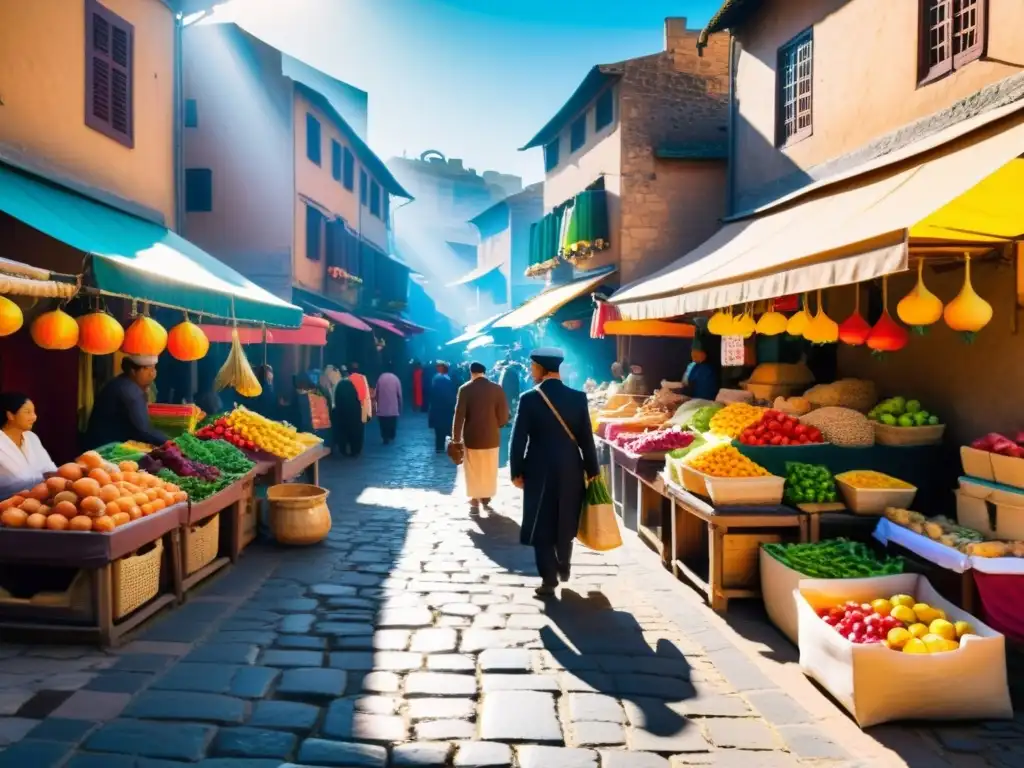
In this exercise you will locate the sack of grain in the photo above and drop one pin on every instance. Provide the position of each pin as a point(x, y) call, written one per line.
point(857, 394)
point(842, 426)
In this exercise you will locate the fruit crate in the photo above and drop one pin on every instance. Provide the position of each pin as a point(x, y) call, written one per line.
point(873, 501)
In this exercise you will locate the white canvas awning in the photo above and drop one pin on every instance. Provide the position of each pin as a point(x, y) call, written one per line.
point(843, 231)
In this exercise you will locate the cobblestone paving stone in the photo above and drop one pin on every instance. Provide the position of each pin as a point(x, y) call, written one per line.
point(412, 637)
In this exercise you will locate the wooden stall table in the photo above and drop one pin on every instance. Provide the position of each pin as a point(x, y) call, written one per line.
point(273, 470)
point(716, 548)
point(106, 611)
point(231, 505)
point(640, 499)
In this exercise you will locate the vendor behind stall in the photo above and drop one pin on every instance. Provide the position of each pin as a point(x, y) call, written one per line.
point(700, 380)
point(120, 411)
point(23, 460)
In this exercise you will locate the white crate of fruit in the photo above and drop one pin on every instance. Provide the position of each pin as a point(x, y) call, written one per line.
point(877, 684)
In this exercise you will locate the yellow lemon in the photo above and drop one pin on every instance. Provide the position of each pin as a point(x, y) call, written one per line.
point(935, 643)
point(952, 645)
point(943, 628)
point(915, 645)
point(918, 630)
point(906, 600)
point(963, 628)
point(904, 614)
point(898, 637)
point(925, 613)
point(881, 606)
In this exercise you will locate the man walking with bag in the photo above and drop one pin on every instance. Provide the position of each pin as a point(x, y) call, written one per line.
point(480, 413)
point(551, 458)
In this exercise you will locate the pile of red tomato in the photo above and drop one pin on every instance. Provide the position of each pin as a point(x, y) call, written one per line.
point(777, 428)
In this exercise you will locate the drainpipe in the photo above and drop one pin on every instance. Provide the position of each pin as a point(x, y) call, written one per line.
point(730, 169)
point(179, 101)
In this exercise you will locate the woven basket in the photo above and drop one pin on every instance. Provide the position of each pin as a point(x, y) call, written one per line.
point(203, 543)
point(905, 436)
point(137, 579)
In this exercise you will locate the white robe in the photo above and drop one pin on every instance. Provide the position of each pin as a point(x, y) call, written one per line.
point(480, 471)
point(21, 468)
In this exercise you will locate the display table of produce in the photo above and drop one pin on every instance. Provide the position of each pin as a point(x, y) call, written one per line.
point(716, 547)
point(105, 584)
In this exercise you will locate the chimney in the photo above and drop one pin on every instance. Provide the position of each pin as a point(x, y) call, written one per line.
point(676, 34)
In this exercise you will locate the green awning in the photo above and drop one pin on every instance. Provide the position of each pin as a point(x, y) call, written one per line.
point(138, 259)
point(544, 243)
point(587, 230)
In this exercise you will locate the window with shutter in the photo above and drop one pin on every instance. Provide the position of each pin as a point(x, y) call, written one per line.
point(952, 34)
point(312, 139)
point(795, 89)
point(364, 188)
point(198, 190)
point(375, 199)
point(385, 199)
point(335, 160)
point(604, 110)
point(578, 133)
point(191, 113)
point(109, 51)
point(349, 170)
point(314, 232)
point(551, 155)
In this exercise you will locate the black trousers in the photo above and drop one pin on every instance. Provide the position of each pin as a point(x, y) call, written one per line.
point(350, 438)
point(388, 427)
point(440, 435)
point(552, 559)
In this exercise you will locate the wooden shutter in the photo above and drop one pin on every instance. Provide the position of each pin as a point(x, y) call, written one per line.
point(314, 226)
point(935, 42)
point(109, 47)
point(969, 31)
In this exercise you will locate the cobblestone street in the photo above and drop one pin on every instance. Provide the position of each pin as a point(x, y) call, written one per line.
point(413, 638)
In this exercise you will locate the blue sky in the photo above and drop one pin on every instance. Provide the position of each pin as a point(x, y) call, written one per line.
point(471, 78)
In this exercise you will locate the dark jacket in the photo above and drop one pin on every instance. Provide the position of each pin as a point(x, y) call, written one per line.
point(120, 413)
point(553, 465)
point(511, 382)
point(348, 410)
point(480, 413)
point(443, 394)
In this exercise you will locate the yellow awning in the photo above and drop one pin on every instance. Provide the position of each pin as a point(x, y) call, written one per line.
point(649, 328)
point(550, 301)
point(857, 229)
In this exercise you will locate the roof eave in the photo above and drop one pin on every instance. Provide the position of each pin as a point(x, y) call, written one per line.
point(596, 79)
point(729, 15)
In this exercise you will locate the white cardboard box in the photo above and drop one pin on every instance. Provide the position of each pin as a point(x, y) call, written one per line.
point(976, 511)
point(779, 582)
point(878, 685)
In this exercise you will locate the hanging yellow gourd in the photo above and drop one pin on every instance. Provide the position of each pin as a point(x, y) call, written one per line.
point(919, 308)
point(771, 323)
point(720, 322)
point(822, 329)
point(968, 313)
point(798, 323)
point(744, 325)
point(11, 318)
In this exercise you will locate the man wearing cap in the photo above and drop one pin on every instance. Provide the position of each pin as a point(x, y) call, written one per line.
point(551, 458)
point(120, 412)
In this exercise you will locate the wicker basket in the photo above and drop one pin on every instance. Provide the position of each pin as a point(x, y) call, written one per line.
point(203, 543)
point(137, 579)
point(905, 436)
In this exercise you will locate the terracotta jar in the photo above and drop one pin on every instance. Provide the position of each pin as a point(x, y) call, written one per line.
point(298, 513)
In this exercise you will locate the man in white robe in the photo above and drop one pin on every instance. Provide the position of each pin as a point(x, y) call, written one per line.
point(480, 412)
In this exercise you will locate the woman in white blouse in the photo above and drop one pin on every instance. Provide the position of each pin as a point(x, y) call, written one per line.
point(23, 460)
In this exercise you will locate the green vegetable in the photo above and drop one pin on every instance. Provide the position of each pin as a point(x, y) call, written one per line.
point(116, 453)
point(834, 559)
point(680, 453)
point(196, 488)
point(217, 453)
point(701, 420)
point(597, 493)
point(808, 484)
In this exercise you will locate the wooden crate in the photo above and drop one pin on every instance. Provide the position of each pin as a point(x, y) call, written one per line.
point(249, 520)
point(740, 566)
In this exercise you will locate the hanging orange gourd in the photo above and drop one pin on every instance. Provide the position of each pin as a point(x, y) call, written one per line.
point(968, 313)
point(11, 318)
point(55, 329)
point(887, 335)
point(822, 329)
point(798, 323)
point(99, 334)
point(919, 308)
point(187, 342)
point(854, 330)
point(145, 336)
point(771, 323)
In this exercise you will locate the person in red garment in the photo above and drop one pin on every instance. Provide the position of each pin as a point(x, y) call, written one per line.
point(417, 386)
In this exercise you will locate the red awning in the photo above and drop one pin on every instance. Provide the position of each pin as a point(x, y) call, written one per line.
point(385, 325)
point(349, 321)
point(312, 333)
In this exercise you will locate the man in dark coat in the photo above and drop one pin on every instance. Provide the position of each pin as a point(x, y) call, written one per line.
point(120, 412)
point(551, 457)
point(347, 417)
point(511, 382)
point(443, 394)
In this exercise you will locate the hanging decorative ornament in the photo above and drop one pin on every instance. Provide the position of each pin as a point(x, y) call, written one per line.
point(968, 313)
point(187, 342)
point(11, 318)
point(720, 322)
point(854, 330)
point(798, 323)
point(99, 334)
point(887, 335)
point(920, 308)
point(744, 325)
point(822, 329)
point(144, 336)
point(771, 323)
point(55, 329)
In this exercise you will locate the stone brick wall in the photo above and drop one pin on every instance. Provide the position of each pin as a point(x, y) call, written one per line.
point(671, 98)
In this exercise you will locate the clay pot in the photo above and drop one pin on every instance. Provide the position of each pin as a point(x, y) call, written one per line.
point(298, 513)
